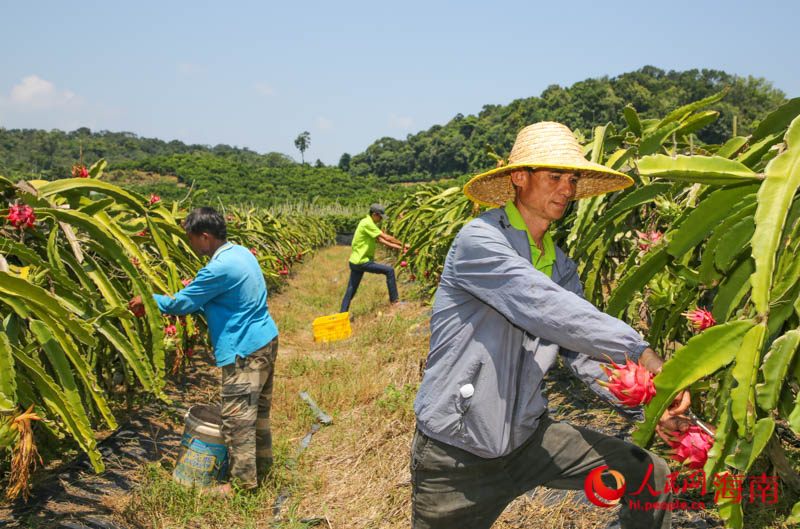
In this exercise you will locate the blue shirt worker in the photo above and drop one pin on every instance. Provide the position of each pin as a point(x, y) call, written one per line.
point(509, 303)
point(362, 255)
point(231, 293)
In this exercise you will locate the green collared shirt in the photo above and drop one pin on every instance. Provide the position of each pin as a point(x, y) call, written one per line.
point(542, 261)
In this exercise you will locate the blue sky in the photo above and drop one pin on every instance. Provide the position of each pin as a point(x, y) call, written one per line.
point(256, 74)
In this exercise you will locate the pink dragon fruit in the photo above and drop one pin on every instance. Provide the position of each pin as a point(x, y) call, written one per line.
point(21, 216)
point(647, 239)
point(170, 330)
point(154, 198)
point(403, 263)
point(253, 251)
point(701, 319)
point(185, 282)
point(691, 448)
point(632, 384)
point(80, 171)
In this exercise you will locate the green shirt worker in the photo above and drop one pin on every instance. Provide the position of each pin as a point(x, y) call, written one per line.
point(362, 257)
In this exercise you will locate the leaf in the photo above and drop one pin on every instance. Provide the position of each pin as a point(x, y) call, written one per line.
point(732, 290)
point(87, 184)
point(778, 120)
point(795, 516)
point(731, 147)
point(697, 122)
point(774, 200)
point(635, 280)
point(60, 365)
point(705, 217)
point(56, 403)
point(755, 152)
point(704, 353)
point(38, 299)
point(632, 117)
point(723, 441)
point(746, 452)
point(708, 271)
point(700, 169)
point(745, 372)
point(652, 142)
point(8, 376)
point(775, 367)
point(734, 242)
point(681, 113)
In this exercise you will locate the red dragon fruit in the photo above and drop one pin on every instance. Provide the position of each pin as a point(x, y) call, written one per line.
point(170, 330)
point(154, 198)
point(632, 384)
point(701, 319)
point(403, 263)
point(186, 282)
point(80, 171)
point(691, 448)
point(21, 216)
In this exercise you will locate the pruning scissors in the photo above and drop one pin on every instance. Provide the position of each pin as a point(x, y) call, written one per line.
point(700, 424)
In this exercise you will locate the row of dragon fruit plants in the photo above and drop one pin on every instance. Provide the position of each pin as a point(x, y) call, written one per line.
point(72, 252)
point(702, 255)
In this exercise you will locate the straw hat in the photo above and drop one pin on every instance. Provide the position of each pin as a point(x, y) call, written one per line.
point(545, 145)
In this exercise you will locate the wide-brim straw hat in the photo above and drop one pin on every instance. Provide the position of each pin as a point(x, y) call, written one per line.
point(545, 145)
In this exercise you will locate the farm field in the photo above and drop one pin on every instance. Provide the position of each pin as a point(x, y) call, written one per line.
point(354, 472)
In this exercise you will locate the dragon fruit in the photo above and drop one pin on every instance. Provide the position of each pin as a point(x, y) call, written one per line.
point(691, 448)
point(648, 239)
point(186, 282)
point(21, 216)
point(80, 171)
point(701, 319)
point(170, 330)
point(154, 198)
point(632, 384)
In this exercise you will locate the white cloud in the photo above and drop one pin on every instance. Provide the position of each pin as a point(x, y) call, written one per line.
point(324, 123)
point(401, 122)
point(37, 103)
point(265, 89)
point(35, 93)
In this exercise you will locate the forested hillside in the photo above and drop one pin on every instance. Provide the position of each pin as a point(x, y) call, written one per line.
point(244, 182)
point(240, 175)
point(460, 146)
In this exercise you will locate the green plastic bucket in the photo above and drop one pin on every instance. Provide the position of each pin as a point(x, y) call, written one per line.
point(203, 455)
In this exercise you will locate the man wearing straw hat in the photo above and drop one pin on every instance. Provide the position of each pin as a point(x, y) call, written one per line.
point(509, 302)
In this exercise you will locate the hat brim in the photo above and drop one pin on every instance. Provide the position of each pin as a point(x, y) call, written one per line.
point(608, 181)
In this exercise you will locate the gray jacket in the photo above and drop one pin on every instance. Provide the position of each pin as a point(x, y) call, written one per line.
point(498, 324)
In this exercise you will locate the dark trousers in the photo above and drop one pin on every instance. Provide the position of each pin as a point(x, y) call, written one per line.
point(357, 272)
point(454, 488)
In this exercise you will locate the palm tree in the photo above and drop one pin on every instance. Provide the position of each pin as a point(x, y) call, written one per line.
point(302, 142)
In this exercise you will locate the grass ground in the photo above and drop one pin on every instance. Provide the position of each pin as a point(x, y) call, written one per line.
point(355, 471)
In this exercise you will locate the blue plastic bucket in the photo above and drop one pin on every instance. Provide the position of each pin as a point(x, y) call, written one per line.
point(203, 456)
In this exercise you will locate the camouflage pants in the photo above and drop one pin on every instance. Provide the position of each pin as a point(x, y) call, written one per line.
point(246, 400)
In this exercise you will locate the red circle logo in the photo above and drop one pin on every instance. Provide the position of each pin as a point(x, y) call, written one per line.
point(594, 487)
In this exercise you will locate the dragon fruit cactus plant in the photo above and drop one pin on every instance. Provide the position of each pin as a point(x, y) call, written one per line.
point(631, 384)
point(691, 447)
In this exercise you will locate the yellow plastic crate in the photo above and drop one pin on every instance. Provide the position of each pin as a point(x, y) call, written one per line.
point(332, 328)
